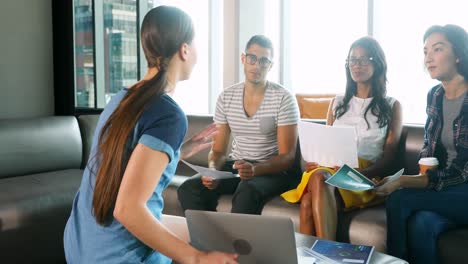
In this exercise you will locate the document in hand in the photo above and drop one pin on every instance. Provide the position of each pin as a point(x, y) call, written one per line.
point(216, 174)
point(327, 145)
point(338, 252)
point(351, 179)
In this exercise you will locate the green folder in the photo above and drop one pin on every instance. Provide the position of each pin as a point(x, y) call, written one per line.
point(350, 179)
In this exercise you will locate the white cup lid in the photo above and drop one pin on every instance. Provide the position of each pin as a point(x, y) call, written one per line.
point(431, 161)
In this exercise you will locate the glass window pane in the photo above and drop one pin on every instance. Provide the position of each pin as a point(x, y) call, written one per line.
point(120, 45)
point(84, 53)
point(402, 41)
point(272, 31)
point(193, 94)
point(321, 33)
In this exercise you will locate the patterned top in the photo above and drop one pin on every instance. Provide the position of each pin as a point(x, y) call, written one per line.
point(370, 140)
point(457, 172)
point(255, 137)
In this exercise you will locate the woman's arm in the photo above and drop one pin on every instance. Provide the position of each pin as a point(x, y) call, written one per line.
point(383, 165)
point(141, 177)
point(405, 181)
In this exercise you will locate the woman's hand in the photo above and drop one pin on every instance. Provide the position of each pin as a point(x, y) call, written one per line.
point(388, 188)
point(216, 257)
point(336, 167)
point(311, 166)
point(199, 142)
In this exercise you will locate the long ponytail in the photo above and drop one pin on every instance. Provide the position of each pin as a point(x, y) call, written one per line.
point(164, 30)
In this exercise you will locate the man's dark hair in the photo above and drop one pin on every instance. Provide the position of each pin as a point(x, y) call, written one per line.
point(260, 40)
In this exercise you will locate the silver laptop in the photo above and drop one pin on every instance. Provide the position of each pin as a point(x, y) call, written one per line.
point(257, 239)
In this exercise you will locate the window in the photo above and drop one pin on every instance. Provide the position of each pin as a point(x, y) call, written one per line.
point(108, 56)
point(120, 46)
point(320, 36)
point(193, 94)
point(399, 26)
point(272, 26)
point(311, 41)
point(84, 53)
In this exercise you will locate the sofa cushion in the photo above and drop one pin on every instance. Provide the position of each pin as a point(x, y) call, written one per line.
point(39, 145)
point(314, 106)
point(33, 213)
point(276, 207)
point(87, 127)
point(365, 227)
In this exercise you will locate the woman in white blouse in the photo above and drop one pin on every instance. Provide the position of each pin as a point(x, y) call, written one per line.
point(377, 119)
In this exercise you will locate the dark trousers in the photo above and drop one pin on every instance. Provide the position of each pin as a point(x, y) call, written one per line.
point(416, 217)
point(249, 195)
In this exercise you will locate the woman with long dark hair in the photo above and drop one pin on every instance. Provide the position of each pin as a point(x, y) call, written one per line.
point(421, 207)
point(377, 119)
point(117, 211)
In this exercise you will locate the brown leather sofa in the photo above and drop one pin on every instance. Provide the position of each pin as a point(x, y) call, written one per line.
point(41, 161)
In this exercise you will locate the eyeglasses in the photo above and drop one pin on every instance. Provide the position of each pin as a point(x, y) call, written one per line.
point(252, 59)
point(364, 61)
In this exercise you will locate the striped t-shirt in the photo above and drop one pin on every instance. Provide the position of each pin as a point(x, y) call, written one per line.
point(255, 137)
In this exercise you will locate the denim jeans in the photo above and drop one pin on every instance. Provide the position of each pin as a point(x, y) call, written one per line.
point(416, 217)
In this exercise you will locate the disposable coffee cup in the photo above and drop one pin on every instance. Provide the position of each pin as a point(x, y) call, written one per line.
point(428, 164)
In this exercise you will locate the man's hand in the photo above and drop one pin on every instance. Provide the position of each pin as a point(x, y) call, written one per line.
point(246, 169)
point(199, 142)
point(209, 182)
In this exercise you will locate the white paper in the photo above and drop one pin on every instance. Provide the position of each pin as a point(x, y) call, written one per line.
point(394, 177)
point(306, 254)
point(327, 145)
point(216, 174)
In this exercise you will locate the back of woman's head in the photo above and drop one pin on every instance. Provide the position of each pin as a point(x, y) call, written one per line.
point(458, 38)
point(379, 105)
point(163, 32)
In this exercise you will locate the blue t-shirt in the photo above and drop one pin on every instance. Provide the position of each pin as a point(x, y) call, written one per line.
point(162, 127)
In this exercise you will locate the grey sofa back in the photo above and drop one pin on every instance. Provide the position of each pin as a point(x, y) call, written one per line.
point(410, 144)
point(196, 124)
point(412, 140)
point(38, 145)
point(88, 127)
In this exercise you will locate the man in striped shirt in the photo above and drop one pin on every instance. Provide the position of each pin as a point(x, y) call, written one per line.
point(262, 118)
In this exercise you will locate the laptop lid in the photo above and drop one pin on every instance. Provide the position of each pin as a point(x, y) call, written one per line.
point(257, 239)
